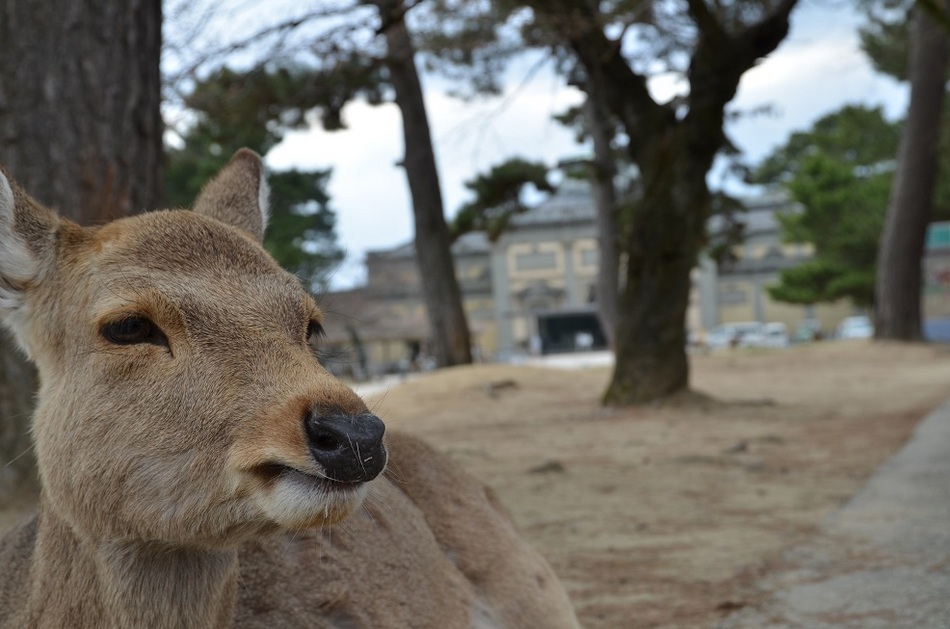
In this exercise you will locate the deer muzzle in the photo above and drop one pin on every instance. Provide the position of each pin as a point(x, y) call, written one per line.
point(348, 447)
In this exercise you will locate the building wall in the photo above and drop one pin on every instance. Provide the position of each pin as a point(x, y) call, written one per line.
point(392, 275)
point(539, 269)
point(393, 278)
point(747, 299)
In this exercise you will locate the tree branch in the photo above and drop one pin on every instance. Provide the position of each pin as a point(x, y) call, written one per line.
point(763, 37)
point(706, 21)
point(390, 15)
point(718, 64)
point(626, 91)
point(282, 29)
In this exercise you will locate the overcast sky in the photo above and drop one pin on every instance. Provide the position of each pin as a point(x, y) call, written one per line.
point(816, 70)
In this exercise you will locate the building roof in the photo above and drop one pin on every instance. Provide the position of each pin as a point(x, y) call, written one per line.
point(759, 216)
point(349, 311)
point(572, 203)
point(472, 243)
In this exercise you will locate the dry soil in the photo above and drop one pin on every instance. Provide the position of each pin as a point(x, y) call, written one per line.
point(667, 516)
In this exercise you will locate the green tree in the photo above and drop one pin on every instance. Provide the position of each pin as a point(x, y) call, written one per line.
point(230, 110)
point(856, 135)
point(839, 172)
point(498, 197)
point(842, 216)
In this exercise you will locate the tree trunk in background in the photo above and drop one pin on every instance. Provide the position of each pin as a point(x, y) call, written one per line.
point(605, 200)
point(674, 147)
point(440, 288)
point(899, 273)
point(668, 225)
point(81, 131)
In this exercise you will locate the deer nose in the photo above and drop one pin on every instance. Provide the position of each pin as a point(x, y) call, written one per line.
point(349, 447)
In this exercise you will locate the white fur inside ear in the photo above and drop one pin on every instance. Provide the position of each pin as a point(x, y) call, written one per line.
point(18, 265)
point(263, 201)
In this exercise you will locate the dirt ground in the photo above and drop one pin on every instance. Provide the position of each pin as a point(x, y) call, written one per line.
point(667, 516)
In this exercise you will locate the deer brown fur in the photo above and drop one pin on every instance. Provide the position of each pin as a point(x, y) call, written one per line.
point(191, 473)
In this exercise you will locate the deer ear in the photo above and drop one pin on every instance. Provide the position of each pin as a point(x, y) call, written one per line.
point(238, 194)
point(27, 249)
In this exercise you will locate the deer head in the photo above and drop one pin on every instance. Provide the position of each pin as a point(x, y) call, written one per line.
point(180, 401)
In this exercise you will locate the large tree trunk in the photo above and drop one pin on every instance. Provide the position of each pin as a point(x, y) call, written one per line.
point(81, 130)
point(899, 273)
point(665, 239)
point(450, 334)
point(605, 199)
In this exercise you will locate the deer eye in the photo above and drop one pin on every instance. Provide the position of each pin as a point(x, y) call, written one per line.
point(133, 330)
point(314, 331)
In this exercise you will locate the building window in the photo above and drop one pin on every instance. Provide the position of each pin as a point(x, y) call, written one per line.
point(592, 294)
point(732, 296)
point(774, 253)
point(536, 261)
point(590, 257)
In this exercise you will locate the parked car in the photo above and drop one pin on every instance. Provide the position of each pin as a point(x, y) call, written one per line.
point(742, 334)
point(859, 327)
point(775, 334)
point(748, 334)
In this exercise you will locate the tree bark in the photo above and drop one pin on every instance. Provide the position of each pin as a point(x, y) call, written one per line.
point(899, 279)
point(664, 243)
point(605, 199)
point(81, 130)
point(674, 152)
point(443, 298)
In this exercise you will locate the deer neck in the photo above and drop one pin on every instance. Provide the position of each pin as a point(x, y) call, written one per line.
point(79, 583)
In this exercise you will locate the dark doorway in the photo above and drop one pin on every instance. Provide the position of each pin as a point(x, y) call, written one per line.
point(570, 332)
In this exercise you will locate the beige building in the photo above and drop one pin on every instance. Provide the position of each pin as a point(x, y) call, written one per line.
point(533, 290)
point(383, 328)
point(544, 273)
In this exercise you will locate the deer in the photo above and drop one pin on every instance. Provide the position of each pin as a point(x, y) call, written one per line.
point(200, 468)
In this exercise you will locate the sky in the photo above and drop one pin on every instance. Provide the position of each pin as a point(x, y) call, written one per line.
point(816, 70)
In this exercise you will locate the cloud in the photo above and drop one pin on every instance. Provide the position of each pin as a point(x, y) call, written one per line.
point(817, 70)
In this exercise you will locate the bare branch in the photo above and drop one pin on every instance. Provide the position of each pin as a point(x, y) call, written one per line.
point(706, 21)
point(581, 25)
point(278, 30)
